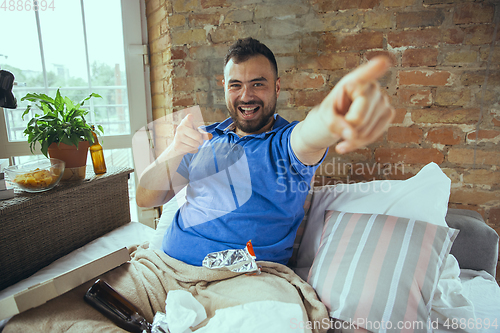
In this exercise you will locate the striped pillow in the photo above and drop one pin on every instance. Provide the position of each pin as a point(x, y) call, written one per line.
point(379, 271)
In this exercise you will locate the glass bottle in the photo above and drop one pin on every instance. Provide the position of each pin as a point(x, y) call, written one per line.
point(97, 155)
point(116, 307)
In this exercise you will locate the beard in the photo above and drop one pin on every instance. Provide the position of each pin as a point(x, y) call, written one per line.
point(256, 124)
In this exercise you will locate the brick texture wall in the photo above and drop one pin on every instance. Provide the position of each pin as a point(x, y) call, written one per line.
point(440, 49)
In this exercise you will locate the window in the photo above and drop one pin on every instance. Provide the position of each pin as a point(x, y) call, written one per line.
point(78, 46)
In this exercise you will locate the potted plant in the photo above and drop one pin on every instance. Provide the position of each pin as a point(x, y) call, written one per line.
point(61, 129)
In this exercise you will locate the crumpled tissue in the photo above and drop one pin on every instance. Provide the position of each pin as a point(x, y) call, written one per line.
point(183, 311)
point(260, 316)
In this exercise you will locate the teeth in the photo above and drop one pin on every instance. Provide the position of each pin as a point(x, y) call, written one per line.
point(247, 108)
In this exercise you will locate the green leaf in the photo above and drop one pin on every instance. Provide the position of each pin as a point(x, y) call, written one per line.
point(61, 120)
point(88, 97)
point(28, 108)
point(45, 148)
point(34, 97)
point(59, 101)
point(87, 133)
point(69, 104)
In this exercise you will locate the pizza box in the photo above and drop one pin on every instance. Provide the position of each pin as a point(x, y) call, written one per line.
point(13, 302)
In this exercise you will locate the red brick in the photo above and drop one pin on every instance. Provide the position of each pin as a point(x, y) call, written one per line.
point(408, 155)
point(483, 134)
point(428, 18)
point(404, 134)
point(352, 42)
point(473, 196)
point(183, 83)
point(329, 5)
point(445, 136)
point(482, 176)
point(496, 122)
point(194, 67)
point(469, 78)
point(303, 80)
point(453, 36)
point(183, 100)
point(214, 3)
point(178, 53)
point(467, 13)
point(400, 116)
point(309, 43)
point(452, 96)
point(415, 38)
point(310, 97)
point(465, 156)
point(200, 20)
point(445, 116)
point(415, 97)
point(494, 217)
point(330, 61)
point(424, 78)
point(420, 57)
point(478, 35)
point(459, 56)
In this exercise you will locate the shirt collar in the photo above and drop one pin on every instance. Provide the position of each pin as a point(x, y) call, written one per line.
point(228, 126)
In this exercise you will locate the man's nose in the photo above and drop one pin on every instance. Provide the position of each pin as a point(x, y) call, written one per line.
point(246, 93)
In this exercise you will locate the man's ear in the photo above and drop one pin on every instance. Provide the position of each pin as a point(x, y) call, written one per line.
point(278, 87)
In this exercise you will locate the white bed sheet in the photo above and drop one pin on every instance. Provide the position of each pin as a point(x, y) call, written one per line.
point(484, 293)
point(131, 233)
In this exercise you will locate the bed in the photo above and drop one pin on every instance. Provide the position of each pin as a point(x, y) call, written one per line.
point(379, 255)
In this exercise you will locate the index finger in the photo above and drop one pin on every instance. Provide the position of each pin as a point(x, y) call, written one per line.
point(188, 121)
point(370, 71)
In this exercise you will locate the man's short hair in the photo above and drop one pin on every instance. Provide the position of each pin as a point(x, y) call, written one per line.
point(248, 47)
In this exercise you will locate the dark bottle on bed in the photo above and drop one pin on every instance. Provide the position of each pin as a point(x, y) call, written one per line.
point(116, 307)
point(97, 155)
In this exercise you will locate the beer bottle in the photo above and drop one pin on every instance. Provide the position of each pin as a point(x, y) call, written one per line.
point(116, 307)
point(97, 155)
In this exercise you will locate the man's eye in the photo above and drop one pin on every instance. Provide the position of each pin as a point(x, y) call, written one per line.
point(234, 86)
point(258, 84)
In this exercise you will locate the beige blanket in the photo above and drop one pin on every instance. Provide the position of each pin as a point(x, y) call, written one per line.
point(147, 278)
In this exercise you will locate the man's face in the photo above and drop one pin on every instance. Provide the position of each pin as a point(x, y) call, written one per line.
point(251, 90)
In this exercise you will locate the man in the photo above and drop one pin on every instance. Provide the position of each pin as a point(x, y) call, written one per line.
point(250, 180)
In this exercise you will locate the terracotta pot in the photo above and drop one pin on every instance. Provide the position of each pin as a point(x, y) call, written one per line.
point(73, 157)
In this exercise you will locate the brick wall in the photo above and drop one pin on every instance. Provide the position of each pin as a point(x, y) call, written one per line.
point(440, 50)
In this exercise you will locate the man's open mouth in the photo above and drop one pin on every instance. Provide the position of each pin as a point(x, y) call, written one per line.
point(248, 110)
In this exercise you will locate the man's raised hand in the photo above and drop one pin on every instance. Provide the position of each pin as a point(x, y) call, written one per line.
point(188, 138)
point(357, 108)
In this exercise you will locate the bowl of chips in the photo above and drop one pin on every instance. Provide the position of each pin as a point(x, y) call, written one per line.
point(37, 176)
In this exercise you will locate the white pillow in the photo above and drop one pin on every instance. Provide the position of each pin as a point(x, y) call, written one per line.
point(167, 215)
point(422, 197)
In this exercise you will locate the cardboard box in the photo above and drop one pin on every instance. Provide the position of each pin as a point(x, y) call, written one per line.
point(42, 292)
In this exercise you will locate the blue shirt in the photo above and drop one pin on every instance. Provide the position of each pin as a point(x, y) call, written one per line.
point(240, 189)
